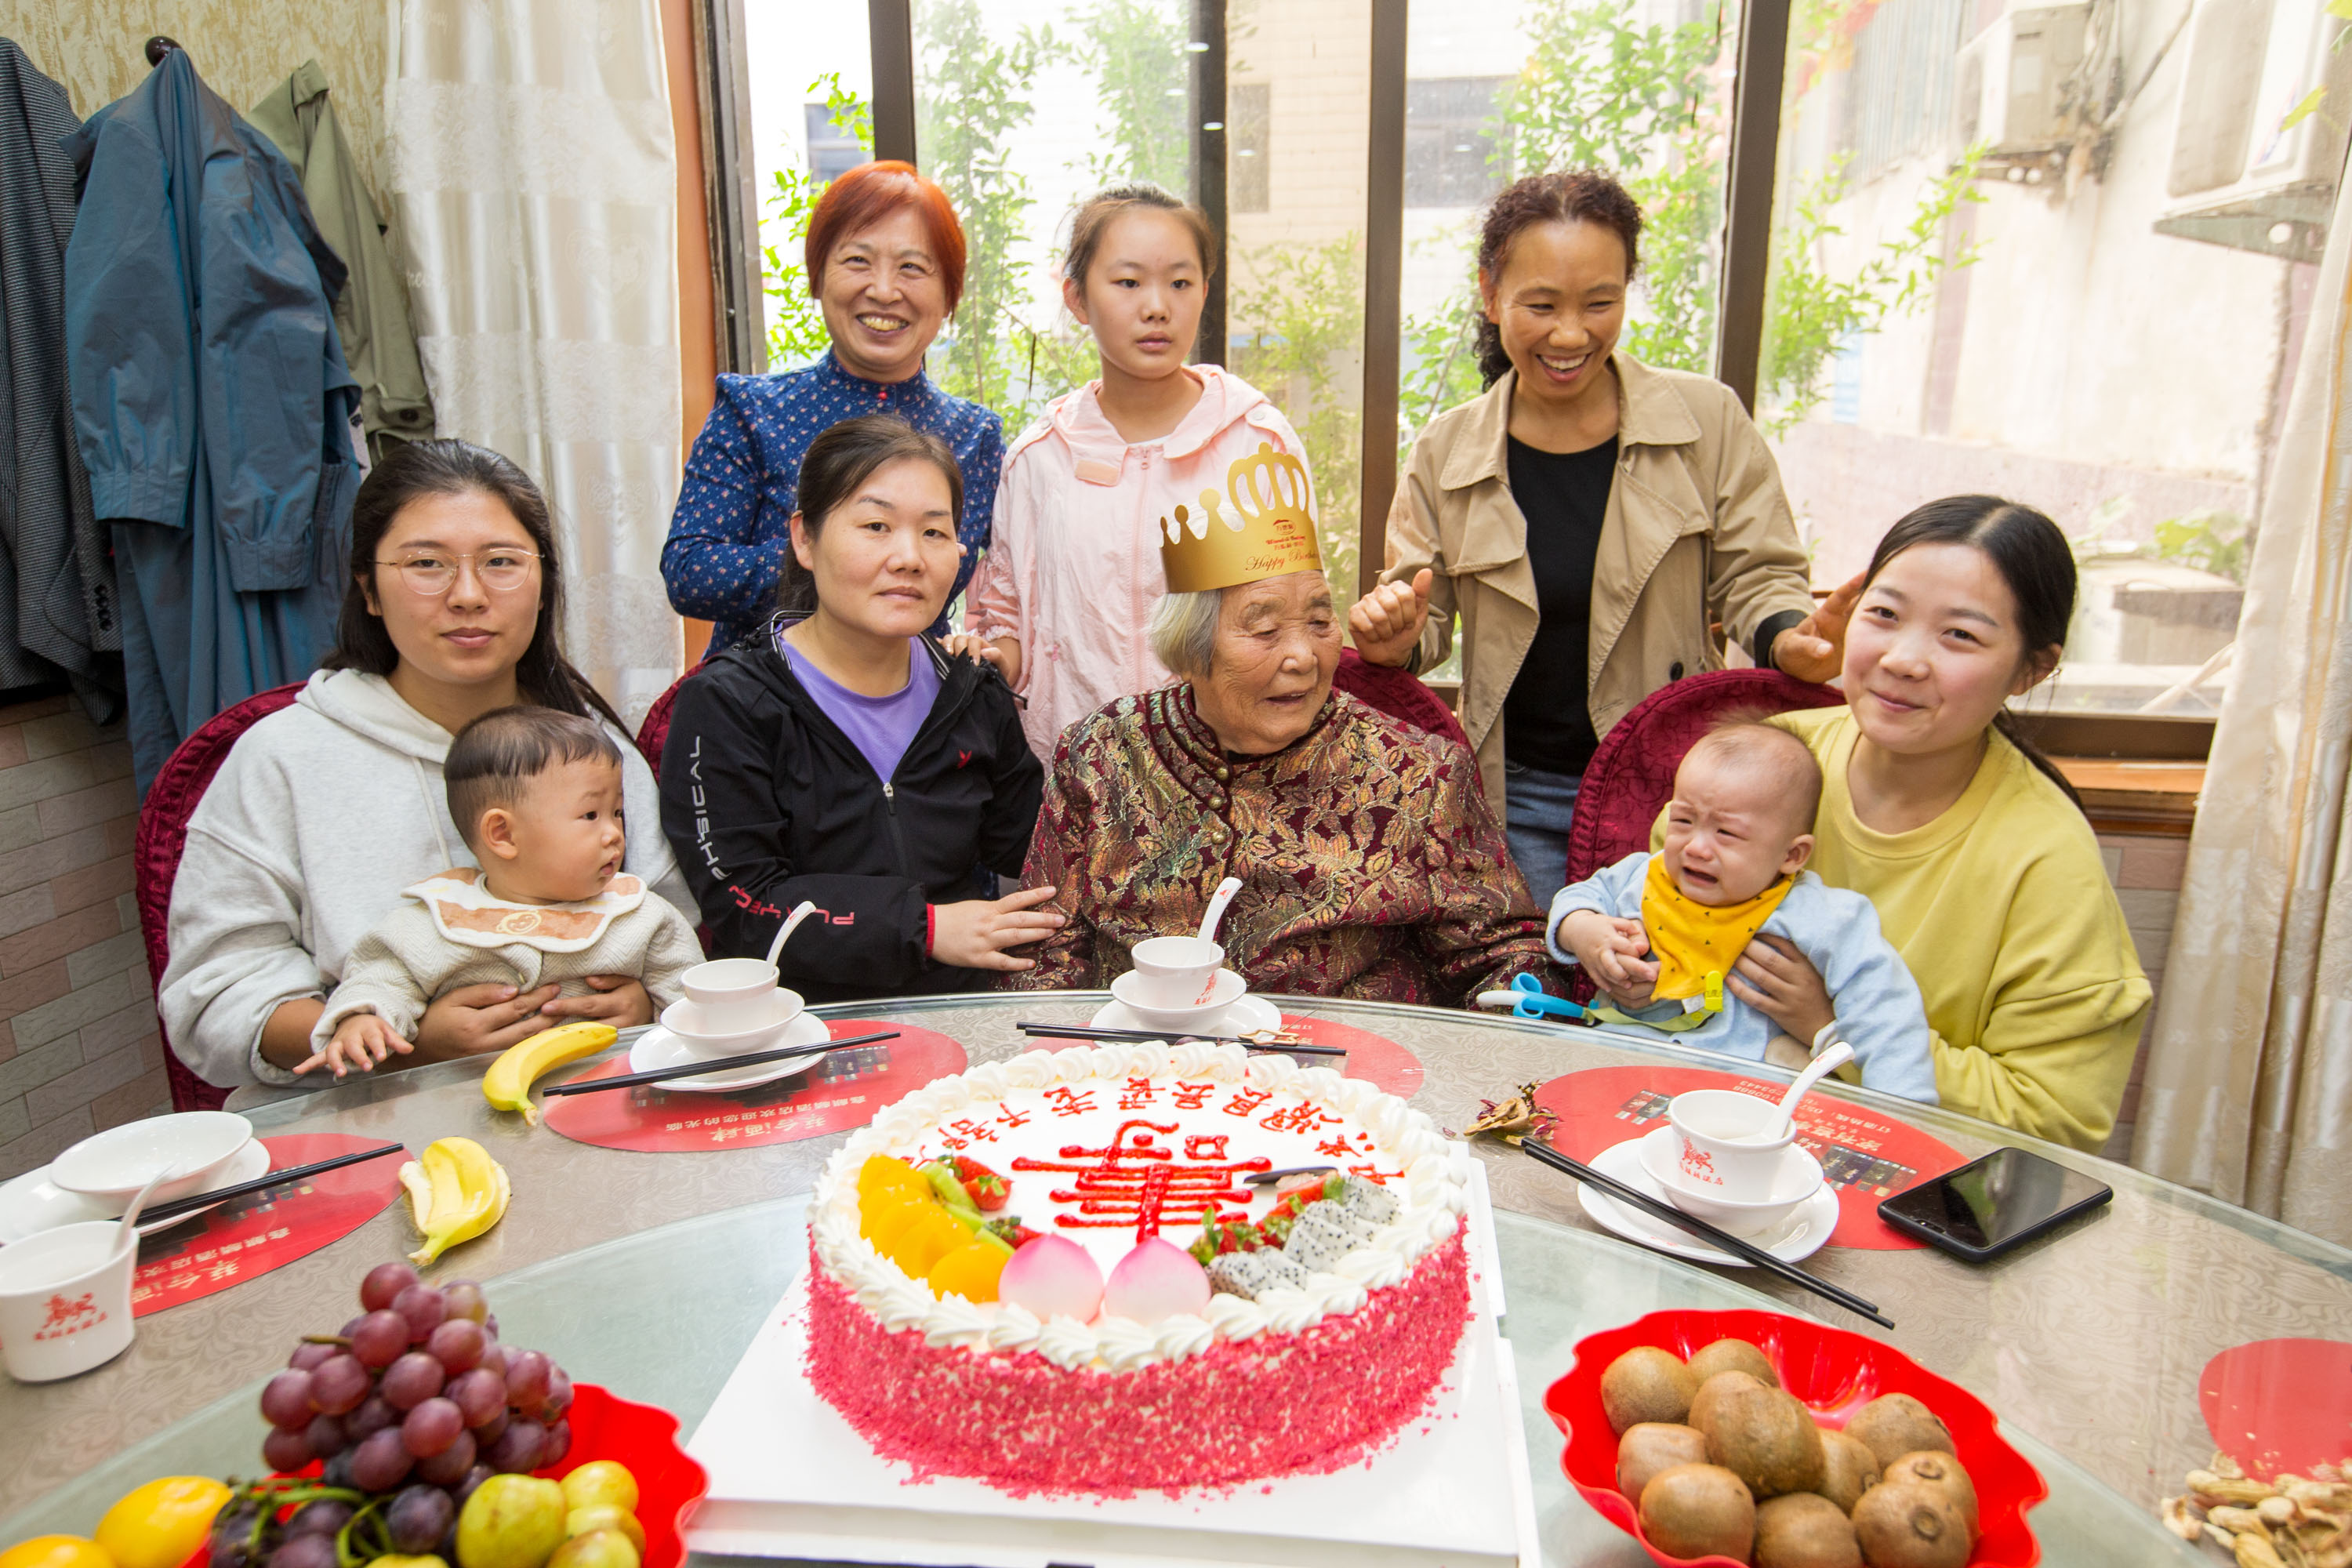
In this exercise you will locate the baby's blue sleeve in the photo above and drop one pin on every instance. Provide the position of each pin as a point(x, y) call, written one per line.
point(1613, 891)
point(1879, 1010)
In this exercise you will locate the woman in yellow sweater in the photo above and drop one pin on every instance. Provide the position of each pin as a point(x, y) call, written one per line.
point(1985, 873)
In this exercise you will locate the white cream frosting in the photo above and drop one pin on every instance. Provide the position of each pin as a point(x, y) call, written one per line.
point(1431, 1193)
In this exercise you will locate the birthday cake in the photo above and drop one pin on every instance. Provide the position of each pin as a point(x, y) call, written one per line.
point(1121, 1267)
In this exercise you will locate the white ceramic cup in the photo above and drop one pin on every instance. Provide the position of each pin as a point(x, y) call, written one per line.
point(1177, 971)
point(731, 995)
point(65, 1301)
point(1796, 1179)
point(1719, 1143)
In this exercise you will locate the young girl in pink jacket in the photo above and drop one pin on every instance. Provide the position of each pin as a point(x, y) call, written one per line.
point(1061, 600)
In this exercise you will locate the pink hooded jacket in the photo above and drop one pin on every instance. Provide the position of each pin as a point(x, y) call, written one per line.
point(1073, 566)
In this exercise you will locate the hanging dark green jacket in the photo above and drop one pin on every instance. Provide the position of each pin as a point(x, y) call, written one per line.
point(372, 313)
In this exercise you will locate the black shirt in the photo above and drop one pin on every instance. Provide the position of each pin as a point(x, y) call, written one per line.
point(1564, 495)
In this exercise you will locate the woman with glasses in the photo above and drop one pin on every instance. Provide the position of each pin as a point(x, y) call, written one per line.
point(325, 811)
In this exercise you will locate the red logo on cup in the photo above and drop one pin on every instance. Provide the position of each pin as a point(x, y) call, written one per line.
point(67, 1318)
point(1698, 1166)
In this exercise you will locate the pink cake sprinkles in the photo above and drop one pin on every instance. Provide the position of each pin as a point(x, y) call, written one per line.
point(1279, 1403)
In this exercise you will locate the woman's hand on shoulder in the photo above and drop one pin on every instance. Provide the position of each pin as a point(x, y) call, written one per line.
point(1815, 649)
point(1385, 623)
point(620, 1000)
point(474, 1020)
point(974, 934)
point(1004, 653)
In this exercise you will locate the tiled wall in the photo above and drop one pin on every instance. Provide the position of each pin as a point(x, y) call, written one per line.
point(78, 1048)
point(2147, 873)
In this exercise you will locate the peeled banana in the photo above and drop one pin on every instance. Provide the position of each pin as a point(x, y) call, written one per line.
point(457, 1191)
point(507, 1086)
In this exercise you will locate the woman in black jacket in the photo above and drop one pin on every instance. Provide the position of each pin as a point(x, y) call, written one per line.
point(844, 759)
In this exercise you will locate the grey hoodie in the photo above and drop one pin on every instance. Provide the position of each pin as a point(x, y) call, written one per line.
point(322, 814)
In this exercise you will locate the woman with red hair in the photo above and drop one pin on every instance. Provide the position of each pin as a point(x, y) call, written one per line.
point(885, 263)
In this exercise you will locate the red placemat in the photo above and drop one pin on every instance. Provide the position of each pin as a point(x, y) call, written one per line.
point(845, 1090)
point(267, 1229)
point(2279, 1406)
point(1385, 1064)
point(1866, 1156)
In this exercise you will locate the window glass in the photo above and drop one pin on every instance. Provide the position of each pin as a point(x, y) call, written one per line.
point(2061, 254)
point(810, 76)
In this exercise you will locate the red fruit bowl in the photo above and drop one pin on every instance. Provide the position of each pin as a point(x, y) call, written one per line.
point(1834, 1373)
point(644, 1438)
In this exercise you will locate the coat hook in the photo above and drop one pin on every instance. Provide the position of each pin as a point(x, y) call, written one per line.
point(158, 46)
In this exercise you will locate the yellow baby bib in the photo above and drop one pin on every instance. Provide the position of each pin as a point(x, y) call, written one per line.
point(1695, 944)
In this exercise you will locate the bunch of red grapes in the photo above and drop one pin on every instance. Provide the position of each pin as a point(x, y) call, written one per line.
point(417, 1387)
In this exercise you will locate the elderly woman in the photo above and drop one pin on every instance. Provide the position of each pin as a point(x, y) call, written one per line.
point(1371, 865)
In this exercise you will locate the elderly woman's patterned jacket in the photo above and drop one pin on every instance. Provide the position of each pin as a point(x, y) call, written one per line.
point(1371, 863)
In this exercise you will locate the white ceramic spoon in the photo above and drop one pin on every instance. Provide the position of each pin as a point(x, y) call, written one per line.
point(126, 1234)
point(1828, 1062)
point(1217, 902)
point(800, 911)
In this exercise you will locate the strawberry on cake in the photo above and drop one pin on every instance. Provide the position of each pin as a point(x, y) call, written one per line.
point(1123, 1268)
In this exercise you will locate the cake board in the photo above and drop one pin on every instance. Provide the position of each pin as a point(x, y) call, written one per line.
point(791, 1479)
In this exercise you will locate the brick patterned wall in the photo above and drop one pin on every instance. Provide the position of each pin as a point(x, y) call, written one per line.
point(2146, 872)
point(78, 1047)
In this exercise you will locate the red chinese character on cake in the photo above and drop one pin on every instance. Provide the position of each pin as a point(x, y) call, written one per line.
point(1373, 1173)
point(975, 1132)
point(1335, 1148)
point(1299, 1118)
point(1138, 1095)
point(1245, 1101)
point(1005, 1115)
point(1193, 1095)
point(954, 1142)
point(1068, 1101)
point(1135, 1180)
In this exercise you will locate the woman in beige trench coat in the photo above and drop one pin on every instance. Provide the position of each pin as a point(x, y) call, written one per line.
point(1588, 516)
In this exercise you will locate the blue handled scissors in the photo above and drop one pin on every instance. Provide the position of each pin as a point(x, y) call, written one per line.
point(1527, 999)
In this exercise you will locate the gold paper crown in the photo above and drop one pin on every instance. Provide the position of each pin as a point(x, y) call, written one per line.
point(1264, 526)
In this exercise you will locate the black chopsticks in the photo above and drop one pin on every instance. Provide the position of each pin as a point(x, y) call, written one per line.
point(1746, 1251)
point(1078, 1032)
point(719, 1064)
point(194, 1200)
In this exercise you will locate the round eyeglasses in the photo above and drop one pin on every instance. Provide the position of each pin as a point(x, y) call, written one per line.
point(500, 570)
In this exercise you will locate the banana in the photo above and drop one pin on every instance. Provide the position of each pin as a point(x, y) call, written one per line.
point(457, 1193)
point(507, 1086)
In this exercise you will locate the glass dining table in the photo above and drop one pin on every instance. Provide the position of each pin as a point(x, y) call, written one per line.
point(649, 1273)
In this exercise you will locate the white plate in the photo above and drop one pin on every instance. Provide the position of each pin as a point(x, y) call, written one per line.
point(115, 1164)
point(1244, 1016)
point(33, 1203)
point(657, 1048)
point(1806, 1232)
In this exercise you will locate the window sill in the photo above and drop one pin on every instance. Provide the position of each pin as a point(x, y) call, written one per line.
point(2121, 795)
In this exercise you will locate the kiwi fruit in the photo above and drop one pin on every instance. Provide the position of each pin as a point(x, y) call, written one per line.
point(1910, 1525)
point(1654, 1445)
point(1805, 1530)
point(1690, 1510)
point(1895, 1424)
point(1939, 1470)
point(1714, 1390)
point(1646, 1384)
point(1848, 1468)
point(1764, 1437)
point(1733, 1355)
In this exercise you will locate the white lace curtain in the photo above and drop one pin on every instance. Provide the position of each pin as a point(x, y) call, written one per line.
point(2247, 1094)
point(531, 166)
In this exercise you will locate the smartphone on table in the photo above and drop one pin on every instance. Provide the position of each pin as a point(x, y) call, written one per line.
point(1990, 1205)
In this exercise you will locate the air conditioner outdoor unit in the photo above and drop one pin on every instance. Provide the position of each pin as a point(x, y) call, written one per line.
point(2018, 91)
point(2240, 175)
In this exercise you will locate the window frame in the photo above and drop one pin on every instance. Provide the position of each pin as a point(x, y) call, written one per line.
point(1752, 172)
